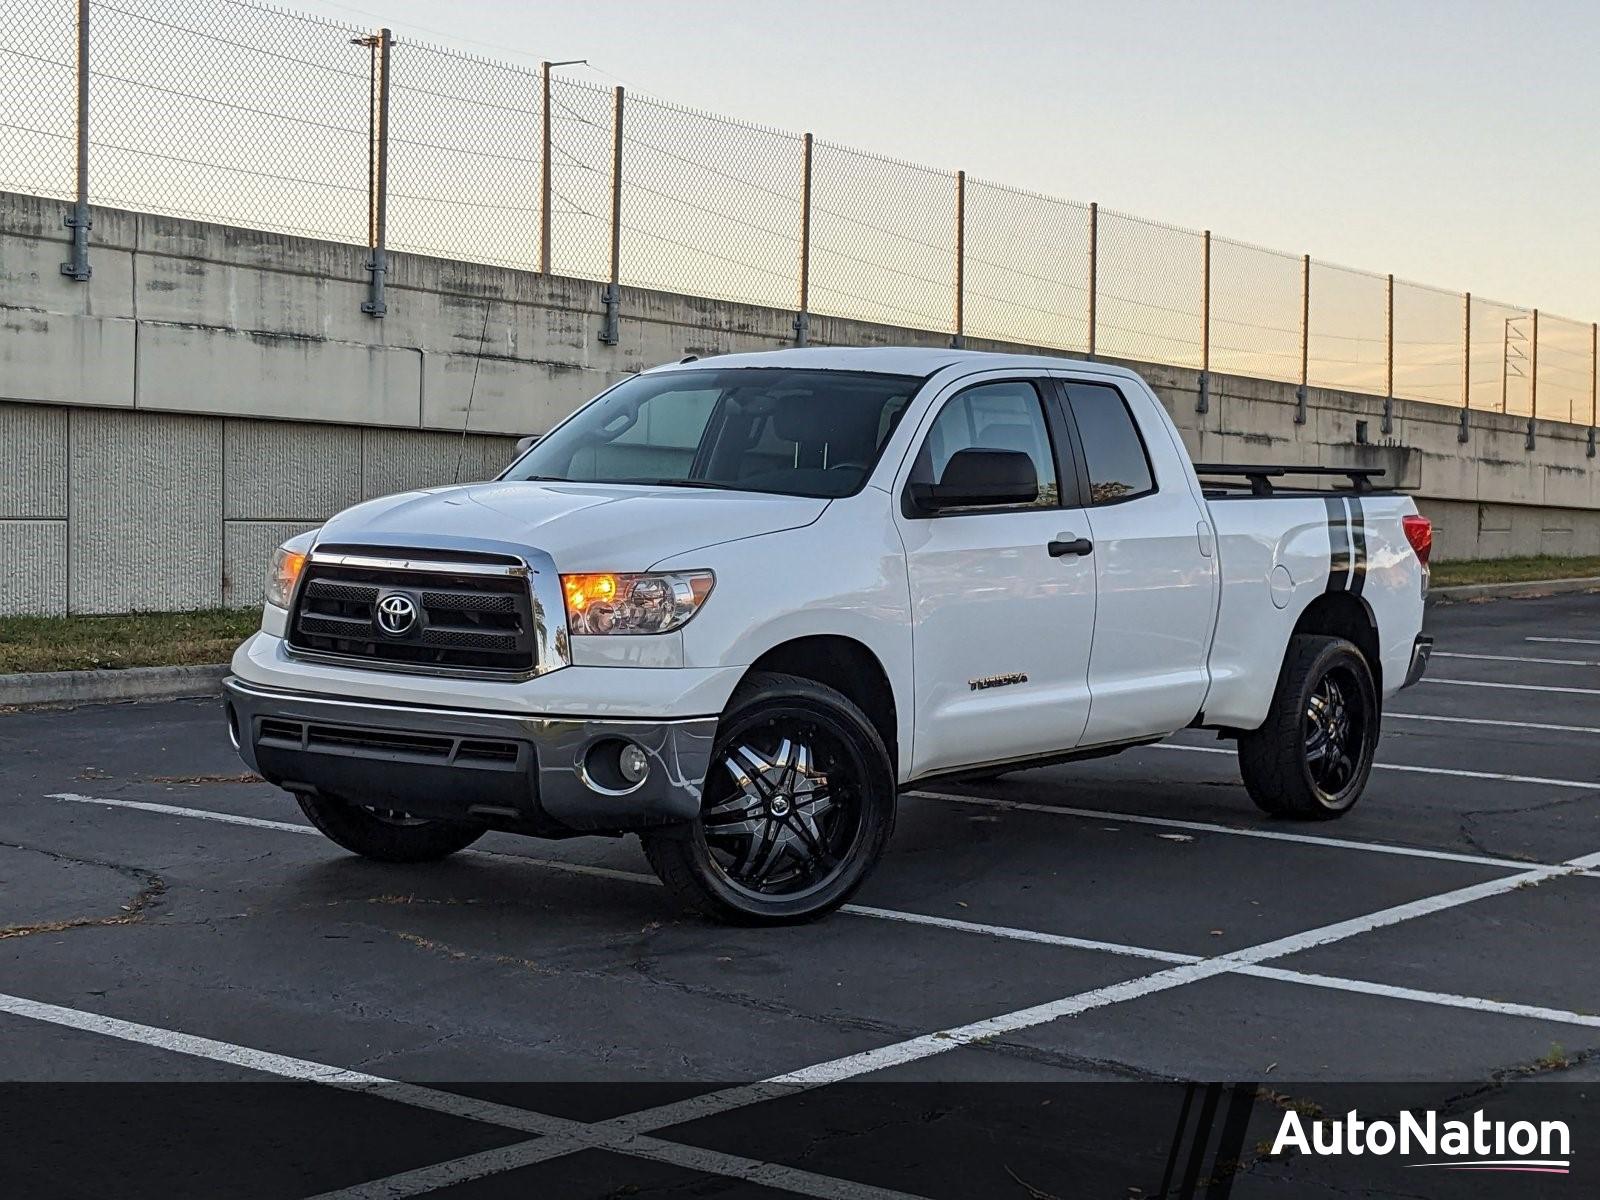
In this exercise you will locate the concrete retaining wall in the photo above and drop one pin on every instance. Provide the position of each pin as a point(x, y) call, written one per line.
point(214, 389)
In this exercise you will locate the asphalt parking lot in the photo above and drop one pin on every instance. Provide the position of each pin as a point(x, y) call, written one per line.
point(165, 918)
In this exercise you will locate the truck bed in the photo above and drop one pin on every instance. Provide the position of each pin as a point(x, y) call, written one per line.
point(1281, 550)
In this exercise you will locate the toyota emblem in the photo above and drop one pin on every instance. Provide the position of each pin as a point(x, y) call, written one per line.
point(397, 614)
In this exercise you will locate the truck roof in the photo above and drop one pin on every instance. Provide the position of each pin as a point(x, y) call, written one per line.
point(894, 360)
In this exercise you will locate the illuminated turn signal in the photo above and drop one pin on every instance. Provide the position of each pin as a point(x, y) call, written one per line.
point(282, 574)
point(584, 590)
point(642, 603)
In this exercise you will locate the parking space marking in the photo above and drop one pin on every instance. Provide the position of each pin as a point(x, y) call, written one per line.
point(1271, 835)
point(572, 1134)
point(1566, 641)
point(469, 1167)
point(173, 810)
point(571, 868)
point(926, 1046)
point(1003, 932)
point(1549, 662)
point(626, 1134)
point(1399, 716)
point(1509, 687)
point(1013, 934)
point(1537, 1012)
point(1587, 785)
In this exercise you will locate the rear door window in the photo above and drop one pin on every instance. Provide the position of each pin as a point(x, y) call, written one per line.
point(1119, 467)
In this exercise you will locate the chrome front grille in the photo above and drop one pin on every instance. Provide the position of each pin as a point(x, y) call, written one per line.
point(456, 613)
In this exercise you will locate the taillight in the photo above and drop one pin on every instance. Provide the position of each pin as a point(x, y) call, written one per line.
point(1419, 532)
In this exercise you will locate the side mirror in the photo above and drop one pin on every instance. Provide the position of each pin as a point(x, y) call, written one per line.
point(978, 479)
point(524, 444)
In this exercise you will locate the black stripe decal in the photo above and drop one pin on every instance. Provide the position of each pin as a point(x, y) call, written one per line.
point(1338, 545)
point(1358, 531)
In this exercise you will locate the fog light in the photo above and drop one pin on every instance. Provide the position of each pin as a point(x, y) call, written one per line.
point(632, 763)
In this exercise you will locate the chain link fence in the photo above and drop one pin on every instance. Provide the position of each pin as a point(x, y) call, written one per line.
point(236, 112)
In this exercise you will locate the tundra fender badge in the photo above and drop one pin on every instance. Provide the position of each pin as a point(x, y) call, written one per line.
point(994, 681)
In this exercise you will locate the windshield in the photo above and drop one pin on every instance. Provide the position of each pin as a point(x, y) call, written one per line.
point(801, 433)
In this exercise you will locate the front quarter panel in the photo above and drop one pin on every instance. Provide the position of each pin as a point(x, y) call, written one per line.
point(843, 575)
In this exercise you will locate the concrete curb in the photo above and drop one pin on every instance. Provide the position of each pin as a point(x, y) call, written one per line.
point(1513, 591)
point(98, 687)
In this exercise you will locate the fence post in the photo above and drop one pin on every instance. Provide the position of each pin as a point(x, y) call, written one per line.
point(1466, 364)
point(1594, 377)
point(1388, 394)
point(1533, 382)
point(960, 338)
point(610, 332)
point(544, 170)
point(1094, 267)
point(802, 321)
point(1305, 340)
point(380, 44)
point(1203, 403)
point(78, 220)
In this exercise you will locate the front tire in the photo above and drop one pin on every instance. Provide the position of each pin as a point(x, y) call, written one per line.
point(798, 805)
point(1311, 757)
point(384, 835)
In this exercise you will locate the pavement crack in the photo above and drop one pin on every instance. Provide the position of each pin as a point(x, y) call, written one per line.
point(151, 888)
point(643, 969)
point(1470, 817)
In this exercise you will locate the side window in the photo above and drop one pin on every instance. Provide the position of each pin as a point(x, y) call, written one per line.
point(1119, 468)
point(991, 417)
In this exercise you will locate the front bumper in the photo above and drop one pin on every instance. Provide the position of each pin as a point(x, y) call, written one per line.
point(527, 773)
point(1421, 649)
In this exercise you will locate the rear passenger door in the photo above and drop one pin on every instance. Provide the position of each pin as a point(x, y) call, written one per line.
point(1154, 562)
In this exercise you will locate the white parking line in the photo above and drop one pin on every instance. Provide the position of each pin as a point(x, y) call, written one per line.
point(572, 1135)
point(1566, 641)
point(883, 914)
point(1445, 999)
point(1511, 687)
point(1587, 785)
point(1399, 716)
point(1270, 835)
point(625, 1134)
point(1003, 932)
point(1549, 662)
point(926, 1046)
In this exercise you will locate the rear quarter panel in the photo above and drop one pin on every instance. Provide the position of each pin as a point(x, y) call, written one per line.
point(1277, 556)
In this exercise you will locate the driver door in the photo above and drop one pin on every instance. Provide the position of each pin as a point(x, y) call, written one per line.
point(1002, 594)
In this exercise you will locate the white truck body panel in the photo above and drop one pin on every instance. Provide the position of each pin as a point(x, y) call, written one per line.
point(1182, 611)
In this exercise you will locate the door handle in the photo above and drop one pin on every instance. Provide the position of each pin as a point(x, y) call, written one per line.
point(1062, 545)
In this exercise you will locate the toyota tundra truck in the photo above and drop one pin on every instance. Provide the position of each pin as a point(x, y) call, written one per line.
point(737, 605)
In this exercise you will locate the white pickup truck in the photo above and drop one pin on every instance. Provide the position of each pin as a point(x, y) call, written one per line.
point(735, 605)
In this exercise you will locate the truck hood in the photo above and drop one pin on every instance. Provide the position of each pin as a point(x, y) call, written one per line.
point(583, 526)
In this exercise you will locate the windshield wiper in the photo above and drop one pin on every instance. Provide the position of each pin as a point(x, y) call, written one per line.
point(688, 483)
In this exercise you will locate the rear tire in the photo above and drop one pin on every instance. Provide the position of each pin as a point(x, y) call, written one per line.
point(798, 805)
point(1311, 757)
point(383, 835)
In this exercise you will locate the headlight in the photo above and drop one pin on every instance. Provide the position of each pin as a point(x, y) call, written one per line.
point(282, 574)
point(634, 603)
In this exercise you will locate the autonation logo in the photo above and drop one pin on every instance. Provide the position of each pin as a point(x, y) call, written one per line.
point(1478, 1144)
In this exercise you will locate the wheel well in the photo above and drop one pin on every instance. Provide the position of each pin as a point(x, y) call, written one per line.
point(847, 666)
point(1339, 614)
